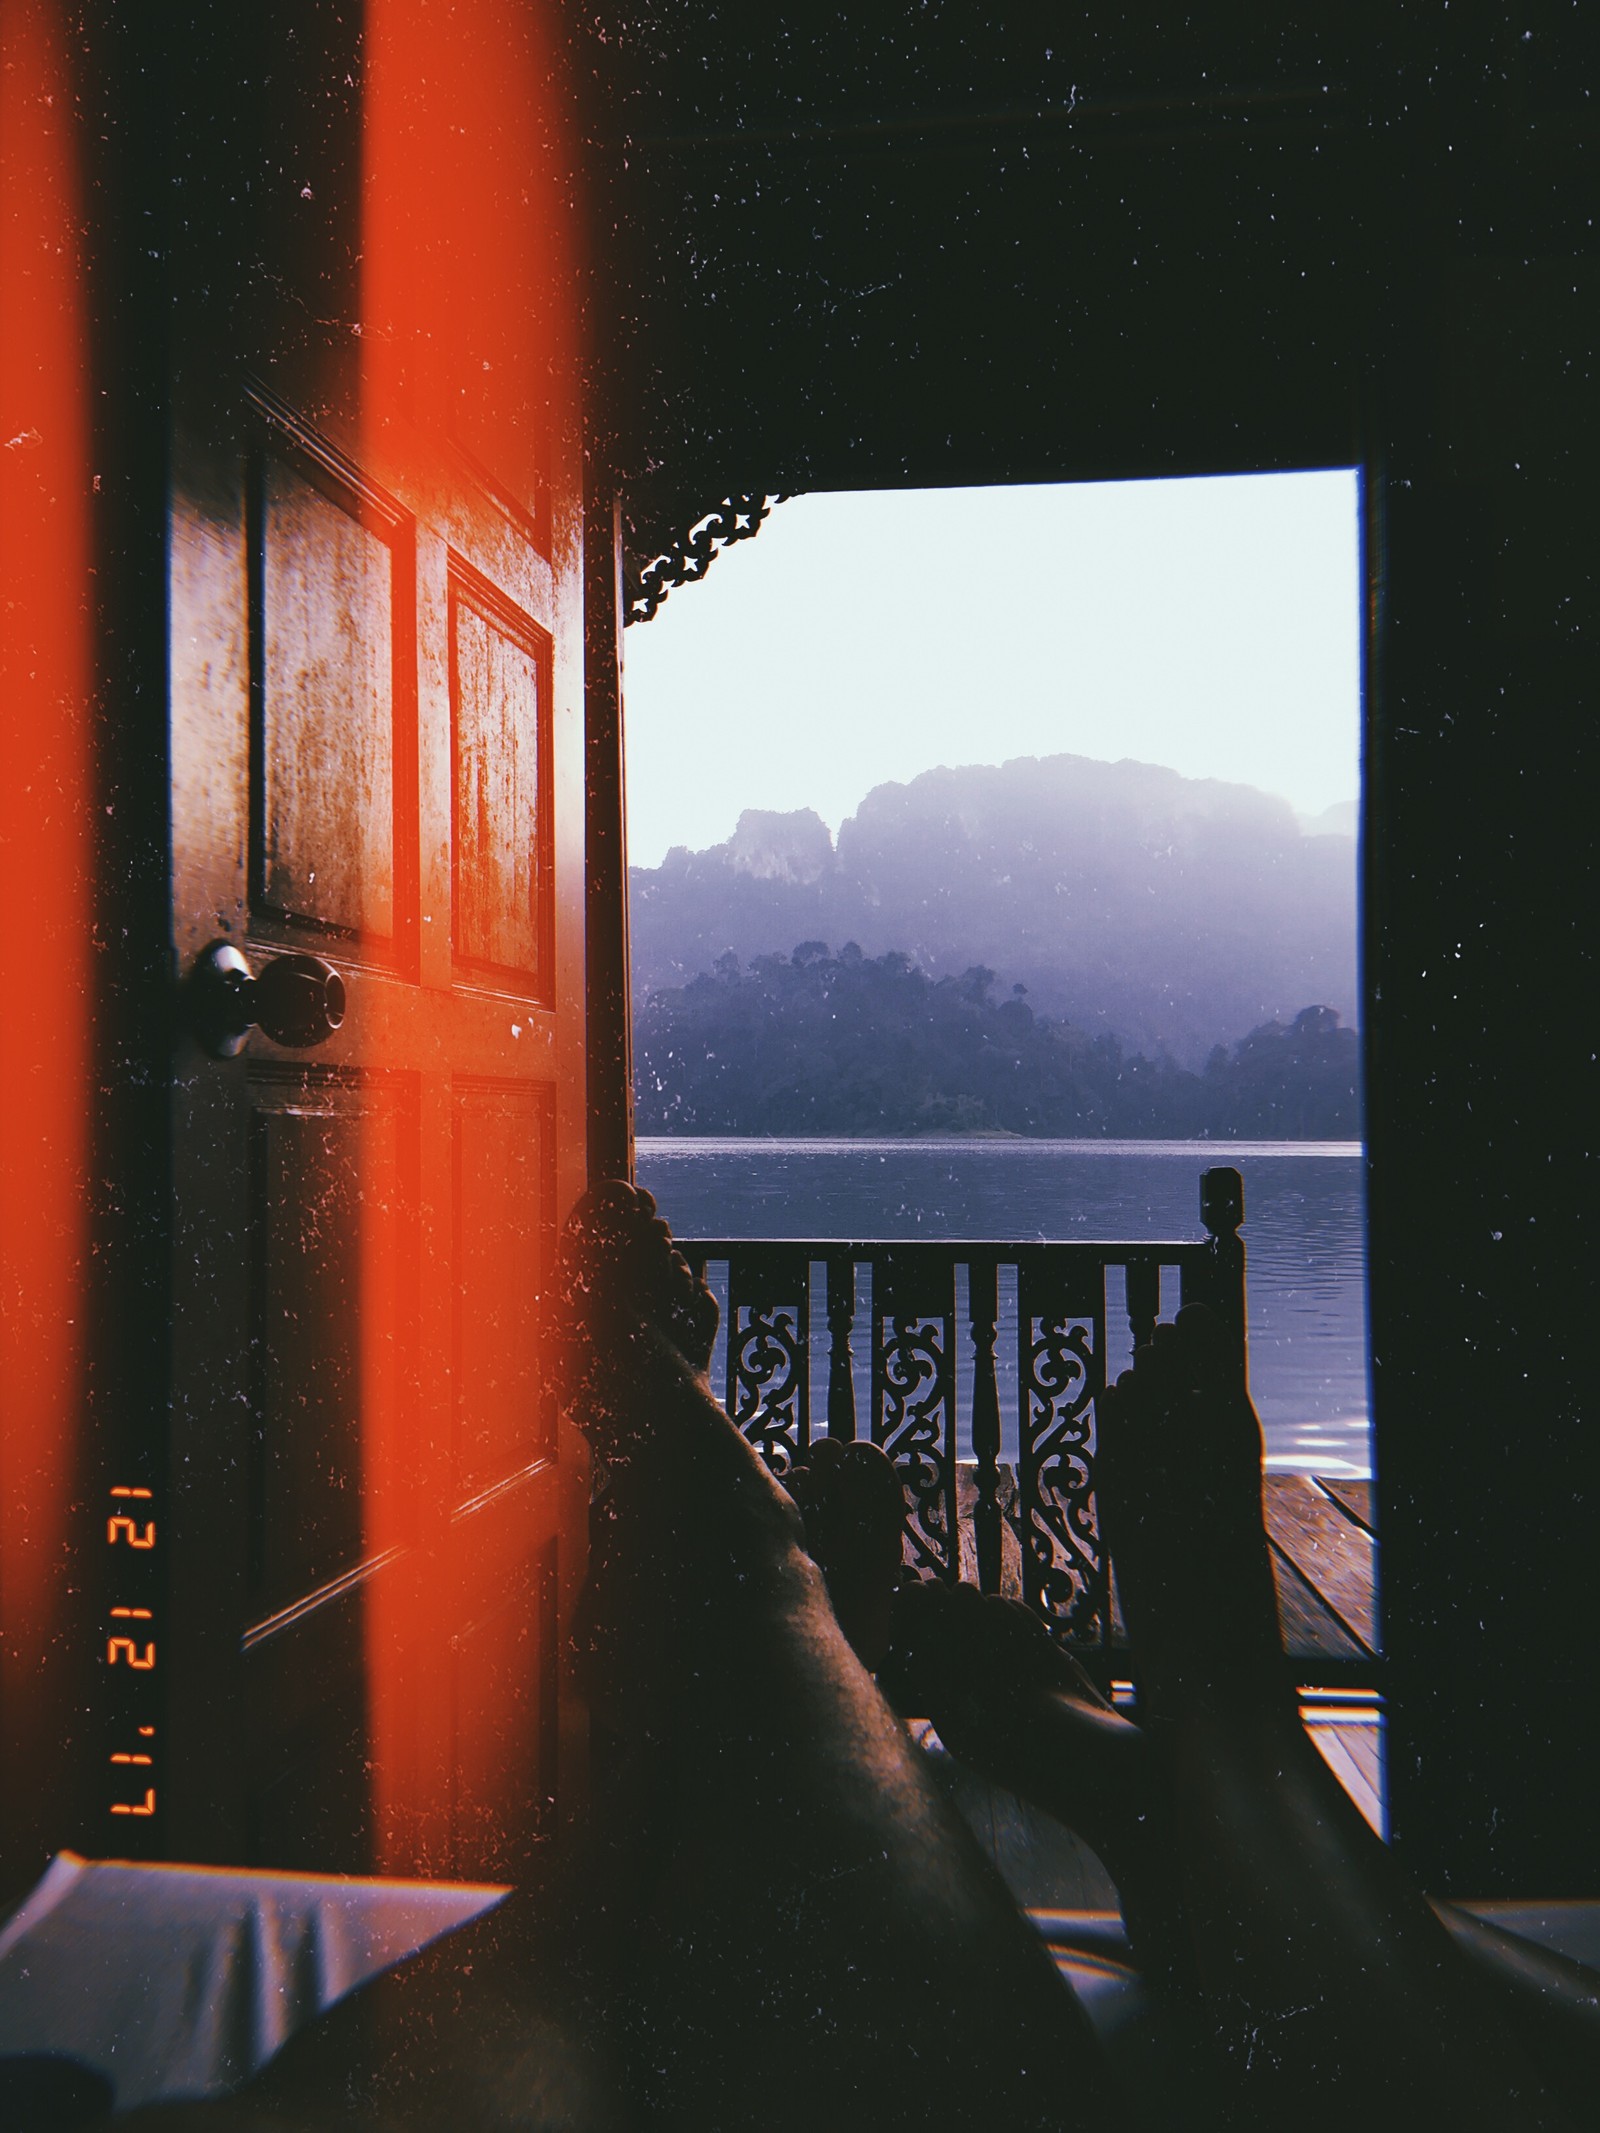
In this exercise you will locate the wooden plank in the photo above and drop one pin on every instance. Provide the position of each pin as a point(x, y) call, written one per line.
point(1341, 1748)
point(1364, 1744)
point(1309, 1627)
point(1332, 1553)
point(1352, 1496)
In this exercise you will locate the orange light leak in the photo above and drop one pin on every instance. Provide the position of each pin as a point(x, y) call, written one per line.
point(468, 328)
point(45, 675)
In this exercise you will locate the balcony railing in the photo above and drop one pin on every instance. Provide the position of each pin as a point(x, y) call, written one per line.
point(902, 1299)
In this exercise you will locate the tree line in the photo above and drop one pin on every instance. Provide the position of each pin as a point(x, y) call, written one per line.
point(849, 1044)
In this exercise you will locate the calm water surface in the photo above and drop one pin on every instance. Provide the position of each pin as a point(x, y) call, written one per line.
point(1304, 1233)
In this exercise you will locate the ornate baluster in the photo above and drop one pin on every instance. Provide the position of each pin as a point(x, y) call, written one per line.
point(769, 1315)
point(841, 1275)
point(913, 1394)
point(1222, 1211)
point(983, 1310)
point(1144, 1302)
point(1061, 1369)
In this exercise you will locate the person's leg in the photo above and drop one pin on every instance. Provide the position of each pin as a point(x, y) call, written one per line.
point(1021, 1713)
point(1332, 1986)
point(1011, 1702)
point(821, 1942)
point(1007, 1701)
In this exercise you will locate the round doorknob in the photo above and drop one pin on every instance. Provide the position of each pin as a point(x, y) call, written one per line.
point(298, 1000)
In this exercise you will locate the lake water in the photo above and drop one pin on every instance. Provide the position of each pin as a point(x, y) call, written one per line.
point(1304, 1232)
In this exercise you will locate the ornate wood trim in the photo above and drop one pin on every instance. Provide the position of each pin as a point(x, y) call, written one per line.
point(691, 554)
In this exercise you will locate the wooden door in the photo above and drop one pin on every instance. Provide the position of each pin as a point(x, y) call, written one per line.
point(366, 1526)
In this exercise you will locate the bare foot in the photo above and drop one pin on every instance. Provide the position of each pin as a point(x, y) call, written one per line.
point(620, 1289)
point(1010, 1703)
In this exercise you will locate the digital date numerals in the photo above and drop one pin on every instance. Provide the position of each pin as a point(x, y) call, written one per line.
point(131, 1644)
point(127, 1648)
point(142, 1759)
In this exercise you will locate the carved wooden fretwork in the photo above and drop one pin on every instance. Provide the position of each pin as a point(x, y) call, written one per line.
point(769, 1373)
point(688, 556)
point(1061, 1370)
point(914, 1396)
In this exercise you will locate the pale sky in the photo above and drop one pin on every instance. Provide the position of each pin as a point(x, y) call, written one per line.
point(1212, 626)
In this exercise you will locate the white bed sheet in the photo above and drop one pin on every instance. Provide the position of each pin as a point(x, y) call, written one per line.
point(180, 1981)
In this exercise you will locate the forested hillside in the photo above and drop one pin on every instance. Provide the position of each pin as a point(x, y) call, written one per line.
point(819, 1043)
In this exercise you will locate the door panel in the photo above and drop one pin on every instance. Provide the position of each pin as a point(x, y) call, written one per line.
point(322, 1143)
point(500, 755)
point(505, 1740)
point(505, 1201)
point(305, 1352)
point(305, 1740)
point(332, 639)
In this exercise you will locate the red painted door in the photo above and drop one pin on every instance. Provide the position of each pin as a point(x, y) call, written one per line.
point(365, 1523)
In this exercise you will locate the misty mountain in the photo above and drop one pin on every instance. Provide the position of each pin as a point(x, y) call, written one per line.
point(1173, 912)
point(1336, 821)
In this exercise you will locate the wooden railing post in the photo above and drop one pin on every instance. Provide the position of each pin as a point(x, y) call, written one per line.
point(769, 1361)
point(1222, 1211)
point(913, 1400)
point(983, 1310)
point(841, 1317)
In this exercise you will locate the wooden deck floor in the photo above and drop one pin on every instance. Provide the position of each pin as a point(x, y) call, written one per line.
point(1323, 1554)
point(1325, 1558)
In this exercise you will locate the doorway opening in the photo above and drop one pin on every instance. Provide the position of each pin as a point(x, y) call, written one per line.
point(993, 874)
